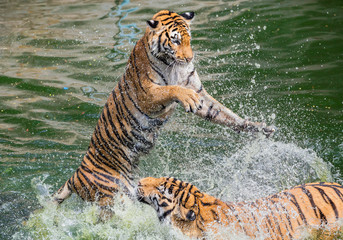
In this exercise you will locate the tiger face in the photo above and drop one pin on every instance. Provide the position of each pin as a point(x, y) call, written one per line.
point(175, 202)
point(169, 37)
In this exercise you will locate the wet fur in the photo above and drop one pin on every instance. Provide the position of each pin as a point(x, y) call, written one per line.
point(159, 74)
point(281, 216)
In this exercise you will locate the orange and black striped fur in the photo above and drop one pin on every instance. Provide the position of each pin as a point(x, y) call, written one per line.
point(280, 216)
point(159, 74)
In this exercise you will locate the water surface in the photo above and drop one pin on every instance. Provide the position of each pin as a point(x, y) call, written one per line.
point(275, 61)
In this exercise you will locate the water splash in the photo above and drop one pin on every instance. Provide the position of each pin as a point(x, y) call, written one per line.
point(76, 219)
point(264, 167)
point(256, 169)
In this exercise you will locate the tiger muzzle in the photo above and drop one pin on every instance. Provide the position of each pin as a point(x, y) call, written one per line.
point(188, 59)
point(140, 194)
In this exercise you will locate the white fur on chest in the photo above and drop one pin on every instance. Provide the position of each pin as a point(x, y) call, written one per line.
point(179, 73)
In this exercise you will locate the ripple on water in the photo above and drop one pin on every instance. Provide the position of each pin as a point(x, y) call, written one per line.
point(257, 57)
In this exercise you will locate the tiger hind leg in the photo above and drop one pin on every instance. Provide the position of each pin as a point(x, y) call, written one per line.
point(106, 212)
point(63, 193)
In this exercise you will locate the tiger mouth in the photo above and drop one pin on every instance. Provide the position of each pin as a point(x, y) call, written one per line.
point(181, 62)
point(171, 59)
point(166, 57)
point(142, 200)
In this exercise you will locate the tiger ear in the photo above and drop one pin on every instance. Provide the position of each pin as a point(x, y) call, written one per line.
point(152, 23)
point(187, 15)
point(198, 194)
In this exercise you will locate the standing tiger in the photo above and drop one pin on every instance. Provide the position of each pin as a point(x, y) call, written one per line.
point(159, 73)
point(280, 216)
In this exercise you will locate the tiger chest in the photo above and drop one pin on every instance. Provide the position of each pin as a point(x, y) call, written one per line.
point(181, 75)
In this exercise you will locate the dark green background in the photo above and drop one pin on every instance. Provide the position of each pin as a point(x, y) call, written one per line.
point(276, 61)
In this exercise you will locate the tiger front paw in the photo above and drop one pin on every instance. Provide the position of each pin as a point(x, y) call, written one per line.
point(259, 127)
point(269, 130)
point(189, 99)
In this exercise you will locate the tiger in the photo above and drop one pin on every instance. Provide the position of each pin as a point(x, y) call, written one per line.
point(159, 74)
point(280, 216)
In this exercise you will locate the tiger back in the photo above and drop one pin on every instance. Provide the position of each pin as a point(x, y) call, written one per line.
point(159, 75)
point(281, 216)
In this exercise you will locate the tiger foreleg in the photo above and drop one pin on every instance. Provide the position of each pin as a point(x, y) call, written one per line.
point(63, 193)
point(164, 95)
point(214, 111)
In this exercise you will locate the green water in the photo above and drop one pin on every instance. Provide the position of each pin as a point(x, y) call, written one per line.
point(276, 61)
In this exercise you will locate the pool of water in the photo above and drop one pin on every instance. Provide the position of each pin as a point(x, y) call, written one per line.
point(276, 61)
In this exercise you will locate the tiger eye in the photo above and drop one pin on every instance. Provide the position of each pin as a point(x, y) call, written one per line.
point(191, 215)
point(188, 15)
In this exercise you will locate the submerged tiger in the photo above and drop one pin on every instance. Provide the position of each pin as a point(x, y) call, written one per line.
point(280, 216)
point(159, 74)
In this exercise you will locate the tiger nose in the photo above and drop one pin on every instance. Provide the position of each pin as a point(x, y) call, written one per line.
point(188, 59)
point(188, 54)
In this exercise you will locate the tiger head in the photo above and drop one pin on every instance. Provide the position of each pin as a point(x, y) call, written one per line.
point(169, 37)
point(178, 202)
